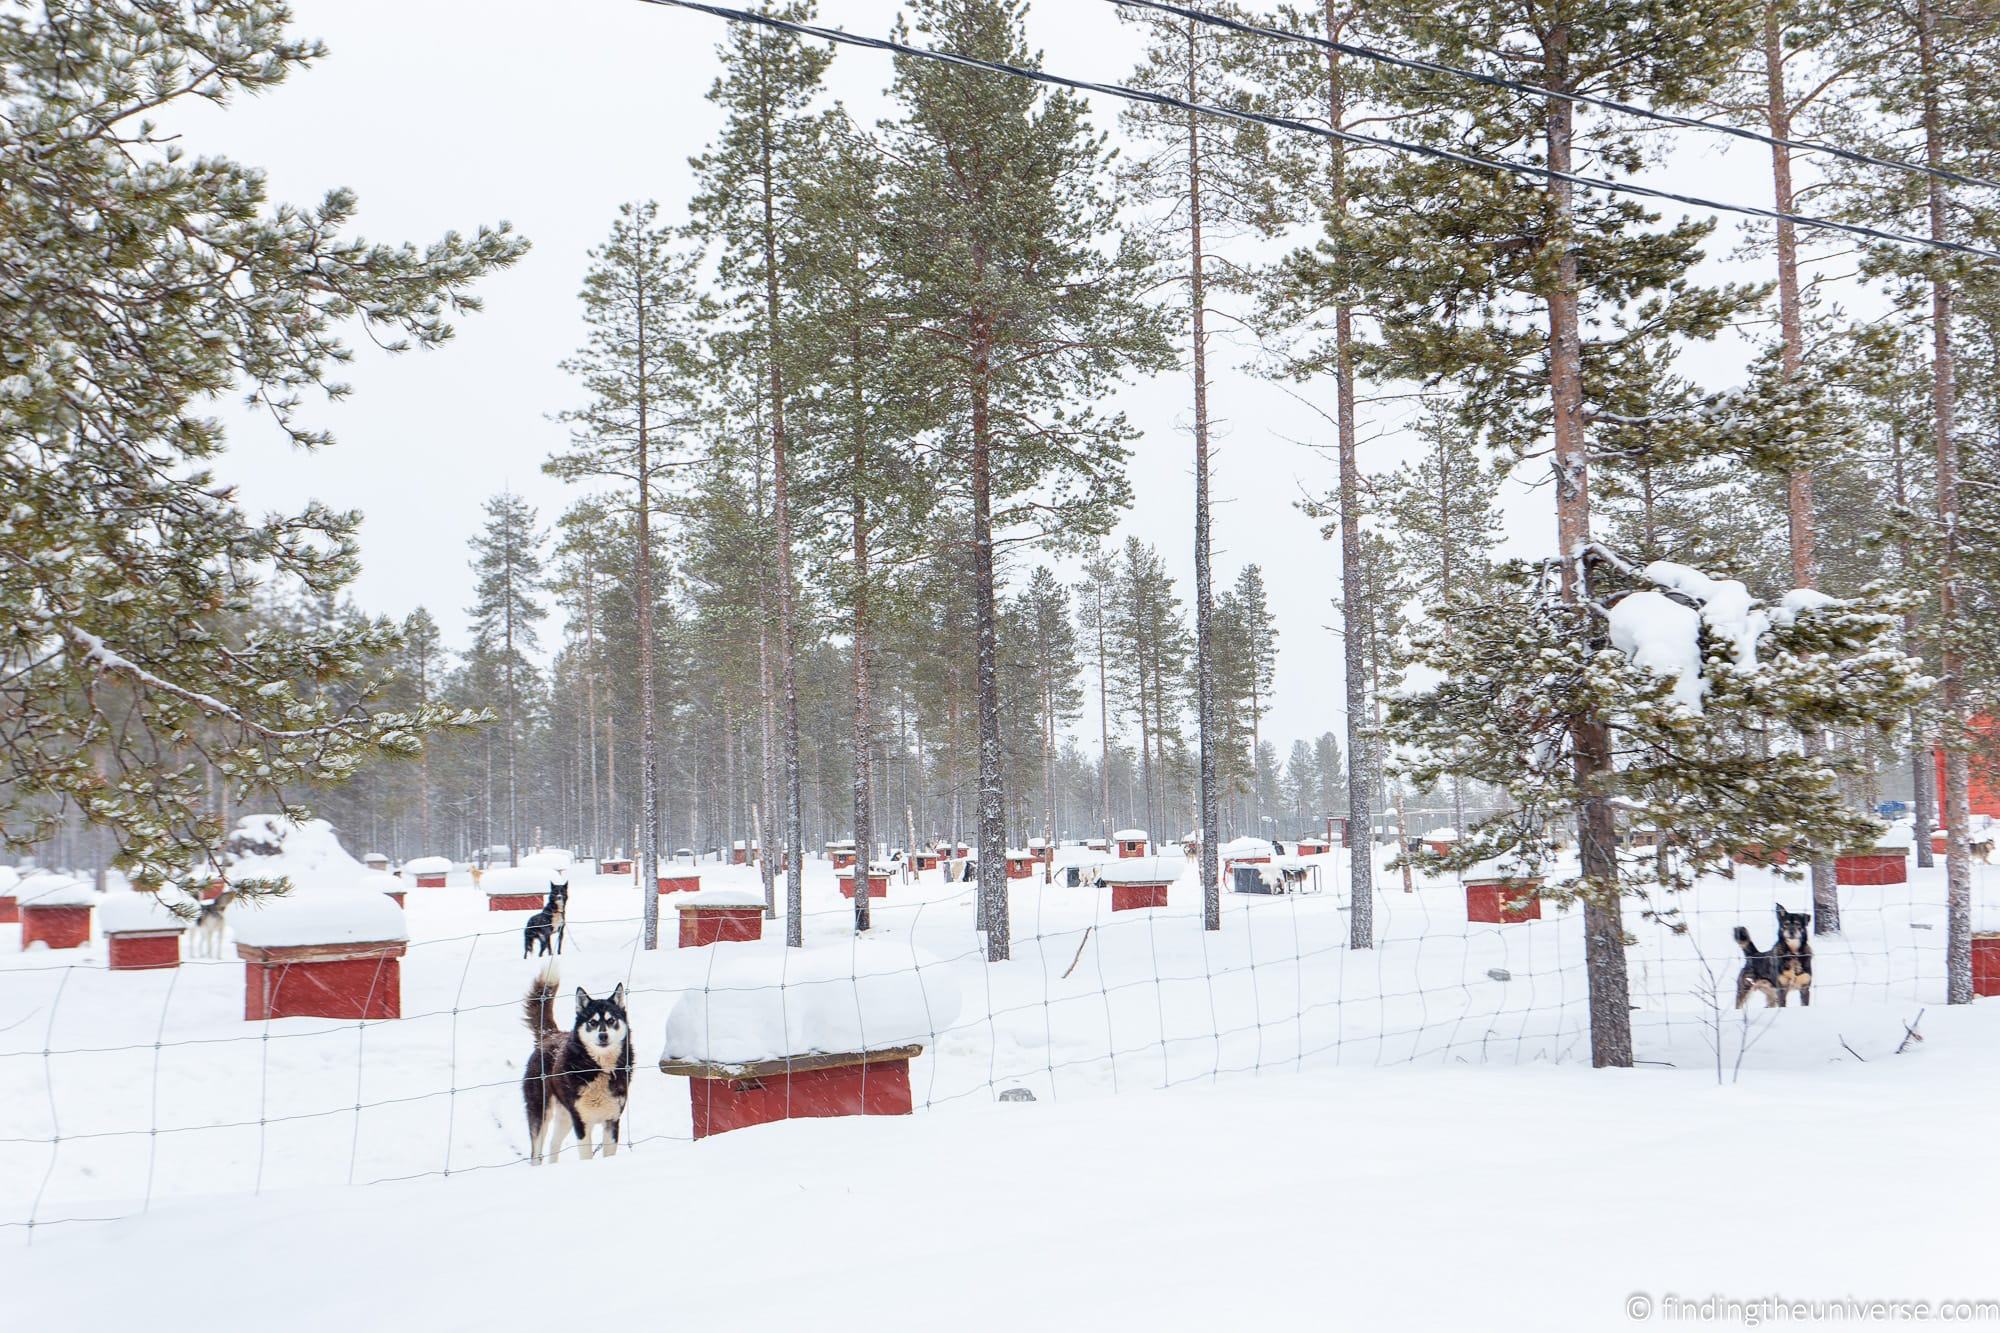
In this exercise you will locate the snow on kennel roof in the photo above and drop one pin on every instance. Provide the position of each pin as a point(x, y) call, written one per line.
point(128, 912)
point(1899, 836)
point(1237, 847)
point(520, 879)
point(1141, 870)
point(308, 854)
point(837, 999)
point(48, 888)
point(719, 898)
point(318, 915)
point(1130, 835)
point(428, 865)
point(9, 877)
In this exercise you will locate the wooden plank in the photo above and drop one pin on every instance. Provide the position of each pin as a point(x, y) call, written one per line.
point(796, 1065)
point(314, 953)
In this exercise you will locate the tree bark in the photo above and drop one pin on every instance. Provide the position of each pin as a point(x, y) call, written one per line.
point(993, 913)
point(649, 770)
point(1944, 404)
point(864, 833)
point(1590, 738)
point(1210, 819)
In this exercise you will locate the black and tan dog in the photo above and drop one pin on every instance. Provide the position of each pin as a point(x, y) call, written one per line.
point(1786, 967)
point(579, 1080)
point(549, 927)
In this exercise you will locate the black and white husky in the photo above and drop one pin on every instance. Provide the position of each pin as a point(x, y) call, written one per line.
point(207, 930)
point(548, 928)
point(576, 1081)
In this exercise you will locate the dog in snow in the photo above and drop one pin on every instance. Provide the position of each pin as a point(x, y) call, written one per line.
point(576, 1081)
point(206, 932)
point(550, 926)
point(1785, 967)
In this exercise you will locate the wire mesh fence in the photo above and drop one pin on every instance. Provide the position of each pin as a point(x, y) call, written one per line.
point(121, 1089)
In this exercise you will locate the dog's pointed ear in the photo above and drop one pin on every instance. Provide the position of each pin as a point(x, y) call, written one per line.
point(618, 996)
point(582, 999)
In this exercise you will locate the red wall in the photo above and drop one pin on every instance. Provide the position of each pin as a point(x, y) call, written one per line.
point(329, 988)
point(721, 1105)
point(714, 925)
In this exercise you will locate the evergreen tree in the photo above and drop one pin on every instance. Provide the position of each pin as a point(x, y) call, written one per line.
point(751, 179)
point(640, 368)
point(507, 569)
point(138, 284)
point(1000, 214)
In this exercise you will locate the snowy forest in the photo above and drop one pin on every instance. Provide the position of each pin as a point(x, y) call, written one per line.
point(842, 558)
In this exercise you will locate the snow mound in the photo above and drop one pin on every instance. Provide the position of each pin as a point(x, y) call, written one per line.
point(429, 865)
point(1238, 848)
point(520, 879)
point(125, 913)
point(9, 877)
point(308, 854)
point(1898, 837)
point(549, 858)
point(1130, 835)
point(861, 995)
point(318, 915)
point(1660, 634)
point(1140, 870)
point(46, 888)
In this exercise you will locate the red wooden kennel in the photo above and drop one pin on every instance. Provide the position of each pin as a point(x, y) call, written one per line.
point(58, 926)
point(1021, 867)
point(142, 950)
point(1878, 867)
point(516, 902)
point(726, 1097)
point(10, 909)
point(1986, 963)
point(878, 883)
point(355, 981)
point(1502, 901)
point(720, 923)
point(680, 884)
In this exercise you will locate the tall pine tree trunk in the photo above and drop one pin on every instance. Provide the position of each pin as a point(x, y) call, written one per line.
point(1103, 717)
point(1944, 395)
point(993, 914)
point(649, 770)
point(864, 832)
point(1590, 738)
point(1923, 778)
point(1353, 590)
point(1791, 323)
point(1210, 818)
point(781, 517)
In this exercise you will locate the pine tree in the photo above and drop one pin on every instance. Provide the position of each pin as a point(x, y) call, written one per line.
point(1000, 214)
point(768, 149)
point(507, 569)
point(640, 368)
point(1096, 596)
point(1554, 270)
point(138, 284)
point(421, 667)
point(1212, 185)
point(1049, 635)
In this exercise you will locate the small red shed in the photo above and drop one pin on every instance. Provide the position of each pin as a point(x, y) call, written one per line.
point(141, 930)
point(1139, 882)
point(1503, 900)
point(55, 910)
point(719, 916)
point(1131, 842)
point(322, 953)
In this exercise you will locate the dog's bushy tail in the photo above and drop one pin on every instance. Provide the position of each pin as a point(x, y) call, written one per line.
point(1743, 941)
point(540, 1007)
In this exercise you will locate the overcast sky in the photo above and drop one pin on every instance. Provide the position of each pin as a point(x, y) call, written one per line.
point(443, 114)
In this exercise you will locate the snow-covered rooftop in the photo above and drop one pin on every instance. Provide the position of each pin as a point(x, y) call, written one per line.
point(1141, 870)
point(428, 865)
point(1130, 835)
point(49, 888)
point(125, 913)
point(318, 915)
point(850, 997)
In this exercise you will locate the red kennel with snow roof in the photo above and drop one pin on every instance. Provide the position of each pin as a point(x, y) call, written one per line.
point(322, 953)
point(141, 931)
point(55, 910)
point(1986, 963)
point(1131, 842)
point(428, 872)
point(1021, 864)
point(1141, 884)
point(720, 916)
point(1502, 902)
point(680, 884)
point(616, 866)
point(922, 861)
point(878, 881)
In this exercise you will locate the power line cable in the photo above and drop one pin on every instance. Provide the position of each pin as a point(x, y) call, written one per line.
point(1536, 90)
point(842, 37)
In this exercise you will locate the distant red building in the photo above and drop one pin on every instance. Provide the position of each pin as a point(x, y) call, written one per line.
point(1985, 784)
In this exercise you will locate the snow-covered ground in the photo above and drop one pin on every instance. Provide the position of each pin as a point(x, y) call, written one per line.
point(127, 1092)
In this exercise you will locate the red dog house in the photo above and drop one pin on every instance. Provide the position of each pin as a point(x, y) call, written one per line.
point(322, 953)
point(1502, 901)
point(1131, 842)
point(922, 861)
point(726, 1097)
point(1139, 885)
point(680, 884)
point(516, 901)
point(140, 932)
point(10, 909)
point(54, 910)
point(1884, 865)
point(1021, 865)
point(878, 881)
point(1986, 963)
point(362, 980)
point(428, 871)
point(718, 916)
point(1759, 856)
point(616, 866)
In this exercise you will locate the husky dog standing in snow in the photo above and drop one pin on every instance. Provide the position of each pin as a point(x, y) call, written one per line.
point(1785, 968)
point(207, 930)
point(578, 1080)
point(550, 926)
